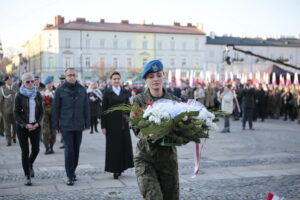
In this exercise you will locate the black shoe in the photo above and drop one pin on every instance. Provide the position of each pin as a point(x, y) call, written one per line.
point(27, 181)
point(2, 134)
point(74, 179)
point(91, 132)
point(9, 144)
point(116, 175)
point(14, 140)
point(62, 147)
point(243, 128)
point(96, 130)
point(69, 182)
point(51, 150)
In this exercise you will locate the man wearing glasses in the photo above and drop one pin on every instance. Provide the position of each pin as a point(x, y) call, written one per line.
point(70, 117)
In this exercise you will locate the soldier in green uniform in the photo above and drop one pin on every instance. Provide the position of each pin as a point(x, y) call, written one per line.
point(156, 166)
point(49, 135)
point(7, 95)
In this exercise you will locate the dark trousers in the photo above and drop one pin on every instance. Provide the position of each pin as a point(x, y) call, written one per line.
point(72, 141)
point(94, 122)
point(34, 137)
point(247, 116)
point(226, 122)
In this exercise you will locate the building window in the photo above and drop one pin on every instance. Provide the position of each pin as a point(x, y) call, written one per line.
point(145, 60)
point(87, 62)
point(183, 62)
point(197, 44)
point(129, 62)
point(128, 44)
point(68, 42)
point(159, 45)
point(172, 45)
point(172, 62)
point(67, 61)
point(183, 45)
point(49, 43)
point(145, 45)
point(197, 62)
point(51, 62)
point(102, 62)
point(88, 43)
point(115, 44)
point(115, 62)
point(102, 44)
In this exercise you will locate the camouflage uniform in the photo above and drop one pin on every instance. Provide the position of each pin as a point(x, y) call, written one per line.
point(7, 96)
point(49, 134)
point(156, 166)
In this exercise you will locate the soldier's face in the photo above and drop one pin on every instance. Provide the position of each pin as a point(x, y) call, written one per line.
point(155, 80)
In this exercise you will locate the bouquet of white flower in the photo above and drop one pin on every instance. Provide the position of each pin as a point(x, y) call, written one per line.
point(170, 122)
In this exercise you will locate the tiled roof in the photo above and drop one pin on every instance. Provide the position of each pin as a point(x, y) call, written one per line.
point(282, 42)
point(124, 27)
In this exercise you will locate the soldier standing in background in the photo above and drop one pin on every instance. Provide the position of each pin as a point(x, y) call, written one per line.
point(156, 166)
point(1, 118)
point(7, 95)
point(49, 135)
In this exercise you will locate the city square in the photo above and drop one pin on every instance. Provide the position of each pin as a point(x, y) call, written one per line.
point(237, 165)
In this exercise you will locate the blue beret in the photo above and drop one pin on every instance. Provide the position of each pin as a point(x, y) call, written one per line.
point(49, 79)
point(152, 67)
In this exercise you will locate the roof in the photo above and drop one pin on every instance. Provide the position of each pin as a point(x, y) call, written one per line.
point(126, 27)
point(282, 42)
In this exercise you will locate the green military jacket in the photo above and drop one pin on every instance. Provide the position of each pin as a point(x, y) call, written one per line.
point(7, 96)
point(146, 148)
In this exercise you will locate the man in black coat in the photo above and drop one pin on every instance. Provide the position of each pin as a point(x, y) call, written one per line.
point(173, 90)
point(71, 115)
point(248, 98)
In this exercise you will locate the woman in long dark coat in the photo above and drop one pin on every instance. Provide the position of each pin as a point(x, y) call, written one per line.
point(119, 156)
point(95, 98)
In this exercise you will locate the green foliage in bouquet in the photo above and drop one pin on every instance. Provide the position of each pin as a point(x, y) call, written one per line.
point(180, 130)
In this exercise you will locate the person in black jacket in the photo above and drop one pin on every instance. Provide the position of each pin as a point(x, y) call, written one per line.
point(28, 112)
point(174, 90)
point(71, 115)
point(248, 98)
point(119, 156)
point(95, 99)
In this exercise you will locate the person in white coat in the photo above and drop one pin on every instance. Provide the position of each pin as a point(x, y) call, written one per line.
point(227, 97)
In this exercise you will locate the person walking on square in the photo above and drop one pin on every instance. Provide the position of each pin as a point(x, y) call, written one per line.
point(227, 97)
point(7, 95)
point(95, 98)
point(156, 166)
point(28, 113)
point(118, 154)
point(248, 98)
point(70, 116)
point(49, 134)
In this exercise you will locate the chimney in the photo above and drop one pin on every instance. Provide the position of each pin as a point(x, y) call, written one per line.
point(102, 21)
point(80, 19)
point(124, 22)
point(189, 25)
point(176, 24)
point(59, 20)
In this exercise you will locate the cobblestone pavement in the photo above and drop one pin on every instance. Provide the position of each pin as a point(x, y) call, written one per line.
point(238, 165)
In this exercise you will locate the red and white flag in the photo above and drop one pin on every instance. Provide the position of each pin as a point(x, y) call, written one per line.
point(271, 196)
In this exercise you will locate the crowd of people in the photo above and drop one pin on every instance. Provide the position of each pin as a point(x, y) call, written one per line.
point(35, 112)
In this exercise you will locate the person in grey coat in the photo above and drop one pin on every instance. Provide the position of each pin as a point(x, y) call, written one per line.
point(71, 115)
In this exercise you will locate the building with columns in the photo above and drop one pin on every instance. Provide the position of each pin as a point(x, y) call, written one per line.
point(96, 48)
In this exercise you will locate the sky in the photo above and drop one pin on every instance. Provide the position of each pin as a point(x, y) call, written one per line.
point(20, 20)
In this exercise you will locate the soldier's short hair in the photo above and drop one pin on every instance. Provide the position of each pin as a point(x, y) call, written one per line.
point(26, 76)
